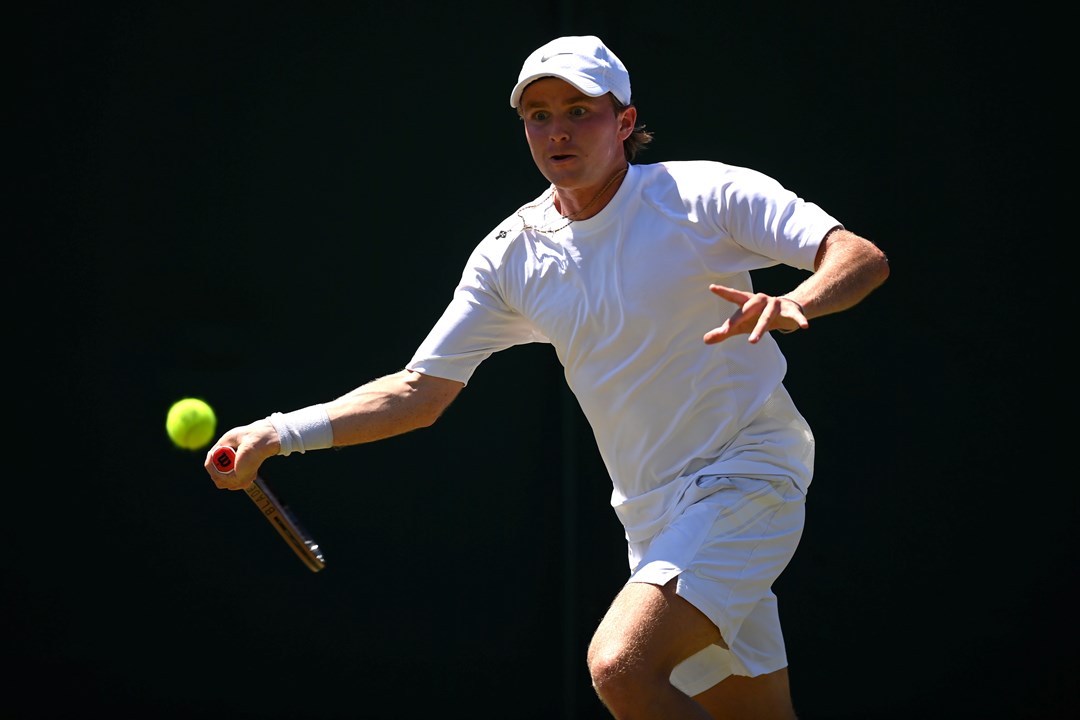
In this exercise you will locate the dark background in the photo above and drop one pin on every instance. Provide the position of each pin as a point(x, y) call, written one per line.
point(265, 206)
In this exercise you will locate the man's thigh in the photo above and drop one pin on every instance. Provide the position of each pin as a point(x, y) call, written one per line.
point(652, 625)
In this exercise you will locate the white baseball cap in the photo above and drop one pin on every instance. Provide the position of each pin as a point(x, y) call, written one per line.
point(581, 60)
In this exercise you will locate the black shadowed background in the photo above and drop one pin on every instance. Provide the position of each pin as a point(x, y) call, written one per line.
point(265, 205)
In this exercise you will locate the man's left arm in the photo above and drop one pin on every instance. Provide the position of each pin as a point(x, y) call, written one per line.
point(847, 269)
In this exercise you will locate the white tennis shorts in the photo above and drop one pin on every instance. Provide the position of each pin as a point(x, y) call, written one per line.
point(726, 550)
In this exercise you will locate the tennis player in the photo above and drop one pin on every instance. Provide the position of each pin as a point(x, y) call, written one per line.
point(639, 276)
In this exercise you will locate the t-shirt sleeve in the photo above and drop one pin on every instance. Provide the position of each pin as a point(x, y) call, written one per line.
point(767, 218)
point(476, 323)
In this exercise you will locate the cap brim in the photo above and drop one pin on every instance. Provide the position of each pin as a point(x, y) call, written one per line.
point(584, 84)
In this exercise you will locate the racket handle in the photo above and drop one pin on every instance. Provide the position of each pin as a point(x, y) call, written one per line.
point(275, 511)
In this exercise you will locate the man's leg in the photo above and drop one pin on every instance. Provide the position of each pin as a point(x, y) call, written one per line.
point(720, 556)
point(647, 631)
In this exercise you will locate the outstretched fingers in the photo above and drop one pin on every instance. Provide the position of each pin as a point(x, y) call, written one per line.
point(756, 315)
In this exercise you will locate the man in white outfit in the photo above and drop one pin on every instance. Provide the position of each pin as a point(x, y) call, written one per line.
point(639, 276)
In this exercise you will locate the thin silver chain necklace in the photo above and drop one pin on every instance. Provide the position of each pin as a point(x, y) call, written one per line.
point(549, 197)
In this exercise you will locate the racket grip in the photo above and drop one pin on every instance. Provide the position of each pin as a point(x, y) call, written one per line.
point(224, 458)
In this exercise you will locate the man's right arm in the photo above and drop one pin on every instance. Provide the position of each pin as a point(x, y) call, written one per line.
point(387, 406)
point(391, 405)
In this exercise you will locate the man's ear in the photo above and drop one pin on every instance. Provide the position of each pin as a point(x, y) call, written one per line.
point(627, 122)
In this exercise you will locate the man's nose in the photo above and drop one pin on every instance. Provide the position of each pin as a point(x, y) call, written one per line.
point(560, 131)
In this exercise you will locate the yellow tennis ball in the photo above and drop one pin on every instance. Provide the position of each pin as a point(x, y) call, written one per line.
point(191, 423)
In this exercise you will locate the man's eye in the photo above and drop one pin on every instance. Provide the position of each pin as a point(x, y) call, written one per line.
point(578, 111)
point(540, 116)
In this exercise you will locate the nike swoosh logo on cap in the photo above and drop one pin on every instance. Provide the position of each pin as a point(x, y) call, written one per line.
point(545, 58)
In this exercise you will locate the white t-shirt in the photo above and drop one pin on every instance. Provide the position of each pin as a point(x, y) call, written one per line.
point(623, 298)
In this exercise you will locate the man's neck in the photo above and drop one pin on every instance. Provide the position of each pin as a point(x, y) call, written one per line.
point(585, 203)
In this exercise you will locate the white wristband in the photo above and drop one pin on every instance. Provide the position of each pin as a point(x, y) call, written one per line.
point(303, 430)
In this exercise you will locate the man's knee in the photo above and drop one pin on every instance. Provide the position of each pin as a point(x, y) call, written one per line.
point(619, 671)
point(608, 662)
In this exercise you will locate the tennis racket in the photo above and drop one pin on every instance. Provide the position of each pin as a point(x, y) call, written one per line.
point(273, 510)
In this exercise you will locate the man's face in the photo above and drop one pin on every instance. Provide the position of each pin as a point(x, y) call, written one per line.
point(576, 141)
